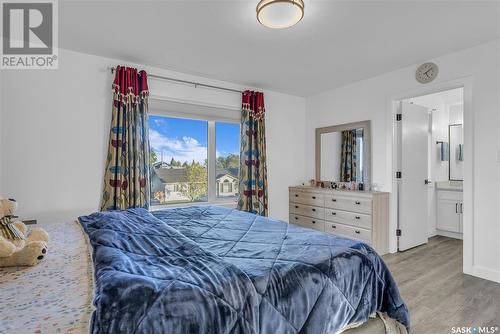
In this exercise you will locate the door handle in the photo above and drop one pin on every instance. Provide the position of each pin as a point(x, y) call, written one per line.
point(314, 209)
point(334, 200)
point(357, 217)
point(456, 207)
point(333, 226)
point(357, 232)
point(358, 203)
point(461, 207)
point(334, 213)
point(296, 207)
point(314, 197)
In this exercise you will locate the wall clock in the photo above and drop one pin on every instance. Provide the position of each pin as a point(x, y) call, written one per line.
point(426, 72)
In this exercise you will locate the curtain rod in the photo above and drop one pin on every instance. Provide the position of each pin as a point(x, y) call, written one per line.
point(195, 84)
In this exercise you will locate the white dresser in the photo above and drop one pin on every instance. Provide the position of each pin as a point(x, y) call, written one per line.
point(353, 214)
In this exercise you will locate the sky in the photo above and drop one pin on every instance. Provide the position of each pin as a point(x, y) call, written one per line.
point(185, 139)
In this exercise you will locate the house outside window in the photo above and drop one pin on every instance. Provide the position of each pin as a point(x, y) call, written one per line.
point(185, 153)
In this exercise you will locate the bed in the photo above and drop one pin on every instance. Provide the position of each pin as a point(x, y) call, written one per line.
point(54, 296)
point(210, 269)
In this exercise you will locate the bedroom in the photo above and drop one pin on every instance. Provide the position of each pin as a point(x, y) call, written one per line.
point(343, 62)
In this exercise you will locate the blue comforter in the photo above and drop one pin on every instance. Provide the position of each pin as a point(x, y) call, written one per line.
point(215, 270)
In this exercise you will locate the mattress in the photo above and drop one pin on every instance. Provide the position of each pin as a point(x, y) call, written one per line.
point(210, 269)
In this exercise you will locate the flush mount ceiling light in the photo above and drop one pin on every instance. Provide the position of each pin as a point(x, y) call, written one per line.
point(279, 14)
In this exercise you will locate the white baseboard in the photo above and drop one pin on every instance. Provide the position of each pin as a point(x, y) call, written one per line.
point(450, 234)
point(485, 273)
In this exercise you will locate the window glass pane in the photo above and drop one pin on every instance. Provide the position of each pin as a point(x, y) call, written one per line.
point(227, 147)
point(179, 155)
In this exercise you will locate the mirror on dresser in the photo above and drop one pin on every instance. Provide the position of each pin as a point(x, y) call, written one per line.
point(343, 153)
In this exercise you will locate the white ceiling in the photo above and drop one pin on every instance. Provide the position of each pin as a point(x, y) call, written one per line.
point(336, 43)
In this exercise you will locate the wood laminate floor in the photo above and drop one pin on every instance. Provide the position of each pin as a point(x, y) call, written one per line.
point(438, 295)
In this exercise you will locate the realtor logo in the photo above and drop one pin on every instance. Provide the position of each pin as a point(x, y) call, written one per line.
point(29, 34)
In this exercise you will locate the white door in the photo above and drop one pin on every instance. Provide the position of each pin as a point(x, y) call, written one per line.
point(412, 187)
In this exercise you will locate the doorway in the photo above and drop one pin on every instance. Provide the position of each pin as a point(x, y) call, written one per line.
point(430, 157)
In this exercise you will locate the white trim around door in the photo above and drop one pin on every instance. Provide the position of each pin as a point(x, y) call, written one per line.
point(468, 184)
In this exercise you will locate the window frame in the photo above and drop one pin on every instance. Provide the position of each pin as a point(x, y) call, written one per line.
point(211, 154)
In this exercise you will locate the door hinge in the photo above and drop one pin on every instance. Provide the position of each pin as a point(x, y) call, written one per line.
point(398, 232)
point(399, 117)
point(398, 175)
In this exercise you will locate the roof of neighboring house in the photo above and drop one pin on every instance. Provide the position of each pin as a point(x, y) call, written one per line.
point(177, 175)
point(171, 175)
point(227, 171)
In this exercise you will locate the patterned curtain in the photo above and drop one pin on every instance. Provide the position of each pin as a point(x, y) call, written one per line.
point(126, 178)
point(348, 158)
point(253, 166)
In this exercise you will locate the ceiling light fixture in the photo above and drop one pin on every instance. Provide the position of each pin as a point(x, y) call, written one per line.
point(279, 14)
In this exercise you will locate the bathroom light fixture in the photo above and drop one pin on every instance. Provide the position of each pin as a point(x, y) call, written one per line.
point(279, 14)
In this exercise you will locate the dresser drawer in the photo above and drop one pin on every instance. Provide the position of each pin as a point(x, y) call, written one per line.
point(307, 198)
point(348, 231)
point(315, 224)
point(349, 218)
point(361, 205)
point(307, 210)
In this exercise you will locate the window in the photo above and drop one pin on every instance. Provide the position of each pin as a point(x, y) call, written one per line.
point(193, 160)
point(227, 148)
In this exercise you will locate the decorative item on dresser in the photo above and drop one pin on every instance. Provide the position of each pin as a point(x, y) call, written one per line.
point(359, 215)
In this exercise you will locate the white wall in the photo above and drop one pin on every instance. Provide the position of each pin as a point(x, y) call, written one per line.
point(54, 134)
point(371, 99)
point(456, 113)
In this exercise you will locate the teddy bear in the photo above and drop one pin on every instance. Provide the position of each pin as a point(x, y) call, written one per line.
point(18, 246)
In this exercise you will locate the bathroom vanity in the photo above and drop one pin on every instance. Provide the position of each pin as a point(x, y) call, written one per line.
point(449, 209)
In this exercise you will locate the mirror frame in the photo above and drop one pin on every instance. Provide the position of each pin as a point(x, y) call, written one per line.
point(366, 125)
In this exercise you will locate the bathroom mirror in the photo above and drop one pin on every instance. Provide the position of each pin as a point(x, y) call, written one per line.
point(456, 165)
point(343, 153)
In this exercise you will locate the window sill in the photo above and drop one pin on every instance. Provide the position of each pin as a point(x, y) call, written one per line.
point(221, 202)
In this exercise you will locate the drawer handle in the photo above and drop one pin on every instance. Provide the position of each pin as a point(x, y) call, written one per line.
point(314, 209)
point(296, 218)
point(358, 217)
point(333, 226)
point(314, 197)
point(313, 222)
point(334, 200)
point(358, 203)
point(296, 195)
point(357, 232)
point(334, 213)
point(296, 207)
